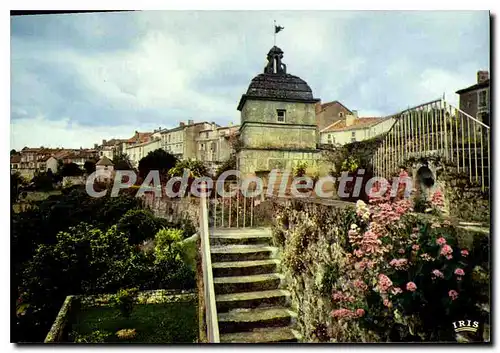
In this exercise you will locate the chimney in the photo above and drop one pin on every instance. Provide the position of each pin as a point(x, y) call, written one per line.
point(95, 146)
point(190, 122)
point(482, 76)
point(103, 142)
point(355, 113)
point(318, 107)
point(349, 119)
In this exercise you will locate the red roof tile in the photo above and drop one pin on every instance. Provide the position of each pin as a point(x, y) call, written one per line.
point(358, 123)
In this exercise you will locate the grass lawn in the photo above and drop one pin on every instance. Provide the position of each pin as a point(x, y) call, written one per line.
point(154, 323)
point(35, 196)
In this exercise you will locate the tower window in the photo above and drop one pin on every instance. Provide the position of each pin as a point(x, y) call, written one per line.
point(341, 115)
point(281, 115)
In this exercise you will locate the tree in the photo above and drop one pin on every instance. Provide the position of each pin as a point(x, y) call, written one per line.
point(138, 225)
point(43, 181)
point(71, 169)
point(15, 182)
point(229, 164)
point(89, 167)
point(121, 161)
point(13, 152)
point(196, 168)
point(156, 160)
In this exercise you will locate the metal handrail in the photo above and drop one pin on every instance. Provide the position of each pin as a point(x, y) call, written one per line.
point(469, 116)
point(437, 128)
point(208, 280)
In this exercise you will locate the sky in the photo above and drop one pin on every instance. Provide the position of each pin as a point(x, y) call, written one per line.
point(77, 79)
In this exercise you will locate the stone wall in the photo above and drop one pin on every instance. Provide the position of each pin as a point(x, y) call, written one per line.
point(463, 200)
point(258, 135)
point(251, 161)
point(261, 129)
point(174, 209)
point(73, 180)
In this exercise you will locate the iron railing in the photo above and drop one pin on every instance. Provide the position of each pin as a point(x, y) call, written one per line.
point(208, 281)
point(236, 210)
point(439, 129)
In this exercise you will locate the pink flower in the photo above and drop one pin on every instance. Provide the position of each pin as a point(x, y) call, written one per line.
point(449, 257)
point(438, 274)
point(441, 241)
point(401, 251)
point(358, 253)
point(426, 257)
point(360, 284)
point(464, 253)
point(384, 283)
point(360, 312)
point(399, 264)
point(343, 314)
point(341, 297)
point(453, 294)
point(387, 303)
point(396, 290)
point(415, 247)
point(412, 287)
point(437, 199)
point(459, 272)
point(446, 250)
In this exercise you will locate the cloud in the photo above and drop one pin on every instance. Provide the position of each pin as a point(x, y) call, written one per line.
point(40, 131)
point(98, 72)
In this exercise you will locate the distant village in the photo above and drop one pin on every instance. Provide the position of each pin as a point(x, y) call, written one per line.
point(204, 141)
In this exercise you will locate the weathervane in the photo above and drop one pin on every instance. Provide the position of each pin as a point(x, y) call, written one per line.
point(276, 30)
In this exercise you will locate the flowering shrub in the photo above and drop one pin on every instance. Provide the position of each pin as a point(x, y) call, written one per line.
point(405, 277)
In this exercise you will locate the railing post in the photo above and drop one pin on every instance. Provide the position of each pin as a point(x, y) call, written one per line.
point(443, 107)
point(208, 281)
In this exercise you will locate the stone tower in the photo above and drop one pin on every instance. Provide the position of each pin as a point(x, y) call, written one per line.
point(278, 120)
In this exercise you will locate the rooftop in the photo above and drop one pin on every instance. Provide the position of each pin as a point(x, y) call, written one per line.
point(480, 85)
point(358, 123)
point(276, 84)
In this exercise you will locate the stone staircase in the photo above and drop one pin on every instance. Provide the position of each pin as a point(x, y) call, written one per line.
point(251, 306)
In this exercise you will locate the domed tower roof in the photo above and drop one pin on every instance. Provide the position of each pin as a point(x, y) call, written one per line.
point(275, 84)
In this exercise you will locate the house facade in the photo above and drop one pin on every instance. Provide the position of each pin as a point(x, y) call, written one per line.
point(352, 129)
point(328, 113)
point(30, 161)
point(475, 99)
point(104, 169)
point(215, 145)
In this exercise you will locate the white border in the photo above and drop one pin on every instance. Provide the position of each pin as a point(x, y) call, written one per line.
point(178, 5)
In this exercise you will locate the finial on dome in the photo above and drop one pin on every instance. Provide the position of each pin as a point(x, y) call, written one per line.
point(274, 64)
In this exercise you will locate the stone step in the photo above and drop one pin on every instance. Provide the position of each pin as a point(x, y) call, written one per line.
point(239, 320)
point(243, 238)
point(244, 268)
point(242, 252)
point(241, 231)
point(262, 335)
point(276, 297)
point(238, 284)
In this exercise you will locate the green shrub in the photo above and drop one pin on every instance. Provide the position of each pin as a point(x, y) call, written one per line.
point(138, 225)
point(167, 244)
point(124, 301)
point(300, 169)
